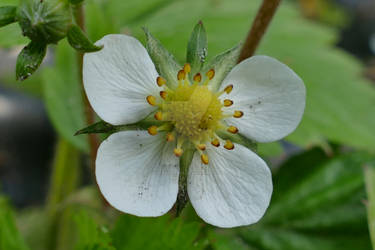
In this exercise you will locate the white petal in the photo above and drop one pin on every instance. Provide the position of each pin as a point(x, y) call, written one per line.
point(118, 78)
point(234, 189)
point(138, 173)
point(271, 96)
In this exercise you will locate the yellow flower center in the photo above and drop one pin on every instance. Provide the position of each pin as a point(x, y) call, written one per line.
point(192, 112)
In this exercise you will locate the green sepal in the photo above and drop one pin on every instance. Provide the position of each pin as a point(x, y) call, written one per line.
point(237, 138)
point(222, 64)
point(197, 48)
point(79, 41)
point(104, 127)
point(29, 60)
point(185, 161)
point(164, 61)
point(8, 14)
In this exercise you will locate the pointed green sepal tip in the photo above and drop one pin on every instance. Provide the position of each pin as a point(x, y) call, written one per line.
point(79, 41)
point(197, 48)
point(76, 1)
point(29, 60)
point(164, 61)
point(98, 127)
point(223, 64)
point(8, 15)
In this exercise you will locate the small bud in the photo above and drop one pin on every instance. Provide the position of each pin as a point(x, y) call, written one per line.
point(45, 21)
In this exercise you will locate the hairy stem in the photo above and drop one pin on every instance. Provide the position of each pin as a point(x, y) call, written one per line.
point(259, 27)
point(89, 113)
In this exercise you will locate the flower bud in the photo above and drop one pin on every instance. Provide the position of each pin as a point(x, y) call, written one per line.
point(45, 21)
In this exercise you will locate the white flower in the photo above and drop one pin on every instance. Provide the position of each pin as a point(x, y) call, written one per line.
point(138, 171)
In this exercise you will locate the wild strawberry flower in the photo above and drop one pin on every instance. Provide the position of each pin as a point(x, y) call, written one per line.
point(138, 170)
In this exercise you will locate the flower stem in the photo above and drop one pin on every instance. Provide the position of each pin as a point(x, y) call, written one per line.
point(259, 27)
point(89, 113)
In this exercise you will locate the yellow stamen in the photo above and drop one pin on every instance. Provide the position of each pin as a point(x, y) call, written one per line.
point(228, 89)
point(215, 142)
point(197, 77)
point(153, 130)
point(163, 94)
point(228, 102)
point(151, 100)
point(210, 74)
point(232, 129)
point(187, 68)
point(204, 159)
point(237, 114)
point(229, 145)
point(170, 137)
point(178, 151)
point(181, 75)
point(158, 116)
point(160, 81)
point(201, 146)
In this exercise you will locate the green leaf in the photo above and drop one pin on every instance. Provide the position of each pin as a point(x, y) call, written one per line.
point(76, 1)
point(29, 60)
point(136, 233)
point(164, 61)
point(370, 188)
point(7, 15)
point(78, 40)
point(197, 48)
point(222, 64)
point(63, 96)
point(317, 204)
point(10, 238)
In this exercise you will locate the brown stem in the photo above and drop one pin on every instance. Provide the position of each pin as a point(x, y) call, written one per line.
point(89, 112)
point(259, 27)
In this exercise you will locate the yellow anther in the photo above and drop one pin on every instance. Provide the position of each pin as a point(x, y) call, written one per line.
point(181, 75)
point(187, 68)
point(178, 151)
point(197, 77)
point(153, 130)
point(210, 74)
point(151, 100)
point(158, 115)
point(228, 89)
point(237, 114)
point(163, 94)
point(201, 146)
point(160, 81)
point(204, 159)
point(229, 145)
point(228, 102)
point(232, 129)
point(170, 137)
point(215, 142)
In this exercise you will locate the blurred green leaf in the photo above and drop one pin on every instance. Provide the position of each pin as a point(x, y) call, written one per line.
point(7, 15)
point(317, 204)
point(197, 48)
point(10, 238)
point(63, 96)
point(340, 103)
point(370, 188)
point(136, 233)
point(91, 236)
